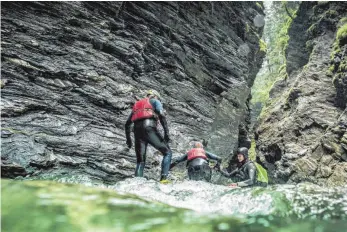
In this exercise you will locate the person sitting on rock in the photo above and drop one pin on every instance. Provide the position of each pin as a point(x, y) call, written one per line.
point(198, 167)
point(145, 115)
point(245, 172)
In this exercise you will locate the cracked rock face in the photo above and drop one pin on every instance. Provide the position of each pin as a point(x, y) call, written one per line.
point(71, 71)
point(303, 134)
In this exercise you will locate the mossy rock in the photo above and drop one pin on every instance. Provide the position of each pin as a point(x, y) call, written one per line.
point(262, 46)
point(252, 153)
point(342, 22)
point(332, 68)
point(322, 3)
point(259, 5)
point(309, 45)
point(312, 30)
point(331, 14)
point(341, 35)
point(343, 66)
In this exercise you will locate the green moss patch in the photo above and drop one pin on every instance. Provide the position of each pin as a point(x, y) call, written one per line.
point(341, 35)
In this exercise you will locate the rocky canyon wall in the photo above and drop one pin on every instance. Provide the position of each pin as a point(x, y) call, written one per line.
point(71, 71)
point(302, 134)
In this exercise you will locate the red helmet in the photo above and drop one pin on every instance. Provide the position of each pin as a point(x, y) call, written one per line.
point(196, 144)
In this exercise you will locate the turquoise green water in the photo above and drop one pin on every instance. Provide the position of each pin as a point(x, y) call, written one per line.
point(182, 206)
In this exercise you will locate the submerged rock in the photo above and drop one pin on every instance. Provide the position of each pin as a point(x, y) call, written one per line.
point(47, 206)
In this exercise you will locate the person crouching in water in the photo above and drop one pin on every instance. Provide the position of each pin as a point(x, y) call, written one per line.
point(245, 172)
point(197, 162)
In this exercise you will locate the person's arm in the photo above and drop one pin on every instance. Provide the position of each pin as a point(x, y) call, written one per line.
point(240, 175)
point(163, 122)
point(226, 174)
point(127, 130)
point(158, 109)
point(251, 180)
point(213, 157)
point(179, 160)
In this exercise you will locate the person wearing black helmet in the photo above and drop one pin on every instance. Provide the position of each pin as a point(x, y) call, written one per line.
point(245, 172)
point(198, 167)
point(145, 115)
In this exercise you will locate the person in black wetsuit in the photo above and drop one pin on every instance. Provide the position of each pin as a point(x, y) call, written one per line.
point(145, 115)
point(245, 172)
point(198, 167)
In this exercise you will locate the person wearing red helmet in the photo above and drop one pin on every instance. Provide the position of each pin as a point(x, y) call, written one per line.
point(197, 162)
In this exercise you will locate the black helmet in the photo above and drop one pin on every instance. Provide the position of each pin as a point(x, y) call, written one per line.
point(243, 151)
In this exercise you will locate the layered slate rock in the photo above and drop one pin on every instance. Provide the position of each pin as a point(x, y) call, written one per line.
point(302, 136)
point(72, 70)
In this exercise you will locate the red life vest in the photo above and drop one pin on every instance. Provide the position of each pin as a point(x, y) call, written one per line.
point(196, 153)
point(143, 109)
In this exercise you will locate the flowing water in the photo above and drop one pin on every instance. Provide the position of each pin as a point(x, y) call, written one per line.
point(138, 204)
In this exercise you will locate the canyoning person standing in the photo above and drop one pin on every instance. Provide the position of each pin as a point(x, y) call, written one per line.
point(145, 115)
point(197, 165)
point(246, 171)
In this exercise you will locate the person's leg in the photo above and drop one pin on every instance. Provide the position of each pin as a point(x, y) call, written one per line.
point(190, 173)
point(140, 150)
point(207, 173)
point(156, 140)
point(199, 170)
point(195, 173)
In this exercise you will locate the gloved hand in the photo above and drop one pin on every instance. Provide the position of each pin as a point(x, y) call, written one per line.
point(233, 185)
point(167, 138)
point(129, 142)
point(217, 167)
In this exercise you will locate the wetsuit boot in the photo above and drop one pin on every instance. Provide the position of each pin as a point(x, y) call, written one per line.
point(165, 166)
point(139, 169)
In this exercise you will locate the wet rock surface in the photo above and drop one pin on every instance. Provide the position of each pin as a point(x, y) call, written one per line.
point(297, 55)
point(302, 135)
point(71, 72)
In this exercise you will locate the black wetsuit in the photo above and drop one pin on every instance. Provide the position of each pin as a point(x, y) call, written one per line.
point(198, 168)
point(245, 174)
point(146, 132)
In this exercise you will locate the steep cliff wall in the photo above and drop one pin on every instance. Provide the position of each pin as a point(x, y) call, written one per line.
point(71, 71)
point(302, 135)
